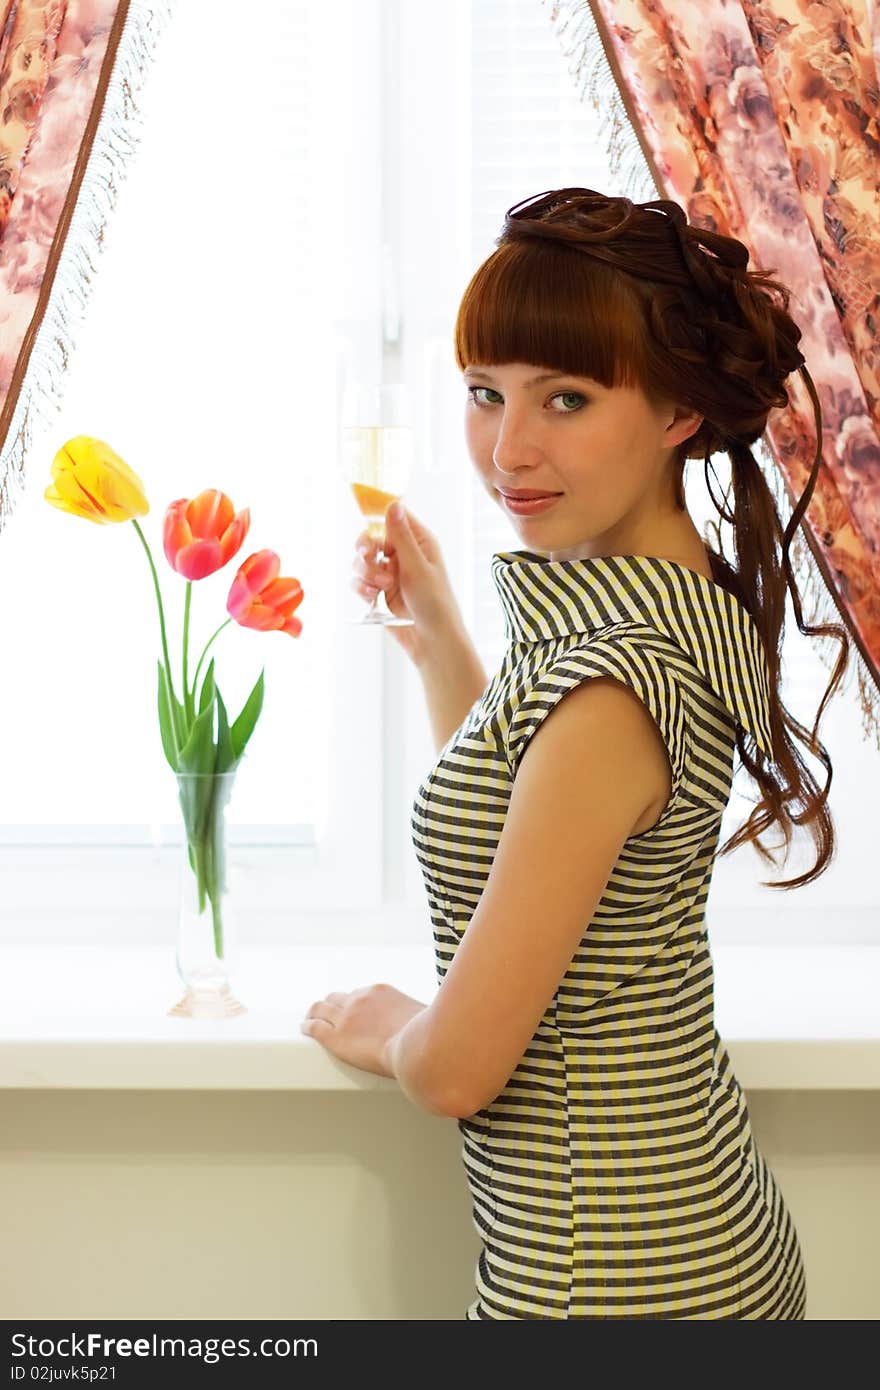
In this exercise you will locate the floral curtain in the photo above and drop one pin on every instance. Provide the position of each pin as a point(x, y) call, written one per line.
point(69, 70)
point(761, 118)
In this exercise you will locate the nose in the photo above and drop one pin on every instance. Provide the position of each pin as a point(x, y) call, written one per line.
point(514, 447)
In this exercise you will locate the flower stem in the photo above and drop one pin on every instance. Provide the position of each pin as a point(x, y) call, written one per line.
point(187, 697)
point(205, 653)
point(169, 683)
point(207, 859)
point(217, 917)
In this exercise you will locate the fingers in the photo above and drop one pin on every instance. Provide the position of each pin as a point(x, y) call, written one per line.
point(366, 544)
point(370, 571)
point(365, 591)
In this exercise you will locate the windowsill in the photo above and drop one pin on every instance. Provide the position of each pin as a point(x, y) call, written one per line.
point(95, 1016)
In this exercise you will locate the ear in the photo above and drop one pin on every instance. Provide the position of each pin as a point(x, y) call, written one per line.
point(684, 424)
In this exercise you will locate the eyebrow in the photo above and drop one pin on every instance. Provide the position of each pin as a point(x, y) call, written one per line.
point(533, 381)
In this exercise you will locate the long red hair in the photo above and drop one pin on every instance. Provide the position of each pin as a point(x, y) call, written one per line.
point(631, 294)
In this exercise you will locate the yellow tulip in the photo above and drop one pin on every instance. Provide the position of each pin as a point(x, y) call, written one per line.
point(90, 480)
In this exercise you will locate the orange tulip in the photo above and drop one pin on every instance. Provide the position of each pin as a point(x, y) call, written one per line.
point(201, 535)
point(260, 599)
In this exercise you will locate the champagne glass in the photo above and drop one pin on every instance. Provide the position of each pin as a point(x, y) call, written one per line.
point(376, 459)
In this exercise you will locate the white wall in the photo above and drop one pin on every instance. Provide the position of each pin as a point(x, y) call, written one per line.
point(294, 1205)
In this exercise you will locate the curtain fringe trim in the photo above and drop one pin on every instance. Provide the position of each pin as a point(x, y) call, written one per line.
point(595, 81)
point(116, 139)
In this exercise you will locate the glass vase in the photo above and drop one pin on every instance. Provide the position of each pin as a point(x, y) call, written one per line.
point(207, 944)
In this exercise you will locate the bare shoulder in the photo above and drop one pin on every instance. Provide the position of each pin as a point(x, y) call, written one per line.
point(604, 728)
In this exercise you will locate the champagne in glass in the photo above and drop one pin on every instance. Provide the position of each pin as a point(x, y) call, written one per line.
point(377, 448)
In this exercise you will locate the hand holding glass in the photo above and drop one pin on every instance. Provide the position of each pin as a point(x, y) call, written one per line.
point(376, 458)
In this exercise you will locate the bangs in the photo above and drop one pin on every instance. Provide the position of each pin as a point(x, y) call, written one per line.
point(556, 308)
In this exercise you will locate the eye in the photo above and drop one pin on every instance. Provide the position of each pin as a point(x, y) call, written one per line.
point(560, 395)
point(472, 390)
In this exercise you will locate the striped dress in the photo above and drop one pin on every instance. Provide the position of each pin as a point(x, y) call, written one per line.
point(616, 1174)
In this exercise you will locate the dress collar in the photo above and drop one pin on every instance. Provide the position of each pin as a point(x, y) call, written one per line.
point(544, 598)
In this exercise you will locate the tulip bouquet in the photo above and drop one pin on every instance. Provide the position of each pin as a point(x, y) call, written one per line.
point(200, 535)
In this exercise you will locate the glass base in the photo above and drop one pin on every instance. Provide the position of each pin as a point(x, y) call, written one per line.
point(208, 1003)
point(379, 620)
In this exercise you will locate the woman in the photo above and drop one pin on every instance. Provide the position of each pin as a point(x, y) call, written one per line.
point(568, 830)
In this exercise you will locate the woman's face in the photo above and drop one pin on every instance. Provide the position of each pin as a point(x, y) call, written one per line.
point(603, 451)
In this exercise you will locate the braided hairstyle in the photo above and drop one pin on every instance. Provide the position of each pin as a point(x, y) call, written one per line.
point(673, 309)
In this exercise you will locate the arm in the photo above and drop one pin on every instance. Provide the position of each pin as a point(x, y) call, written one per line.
point(575, 801)
point(406, 1058)
point(453, 678)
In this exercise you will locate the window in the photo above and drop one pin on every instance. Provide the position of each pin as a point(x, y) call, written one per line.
point(231, 297)
point(325, 223)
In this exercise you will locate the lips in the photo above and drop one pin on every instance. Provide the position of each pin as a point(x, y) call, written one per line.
point(532, 506)
point(526, 495)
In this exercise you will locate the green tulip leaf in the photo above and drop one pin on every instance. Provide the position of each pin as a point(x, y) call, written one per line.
point(166, 726)
point(244, 724)
point(207, 694)
point(196, 793)
point(226, 759)
point(198, 753)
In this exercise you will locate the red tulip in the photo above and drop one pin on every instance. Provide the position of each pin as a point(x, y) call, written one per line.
point(201, 535)
point(260, 599)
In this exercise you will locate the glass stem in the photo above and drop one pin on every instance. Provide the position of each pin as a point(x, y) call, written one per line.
point(381, 557)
